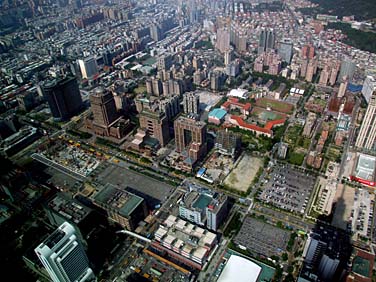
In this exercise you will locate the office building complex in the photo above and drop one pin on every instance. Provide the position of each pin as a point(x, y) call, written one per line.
point(191, 103)
point(103, 107)
point(190, 137)
point(88, 67)
point(63, 256)
point(156, 125)
point(123, 207)
point(204, 208)
point(105, 119)
point(367, 134)
point(63, 97)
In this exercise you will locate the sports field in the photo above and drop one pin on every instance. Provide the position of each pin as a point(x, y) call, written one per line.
point(266, 115)
point(275, 105)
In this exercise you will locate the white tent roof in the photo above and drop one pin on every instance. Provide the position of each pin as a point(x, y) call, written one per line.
point(239, 269)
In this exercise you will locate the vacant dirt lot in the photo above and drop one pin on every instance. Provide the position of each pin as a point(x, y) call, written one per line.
point(244, 173)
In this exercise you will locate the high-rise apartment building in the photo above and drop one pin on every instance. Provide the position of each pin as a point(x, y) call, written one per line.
point(308, 52)
point(191, 103)
point(164, 62)
point(369, 86)
point(88, 67)
point(63, 97)
point(367, 134)
point(342, 88)
point(223, 40)
point(228, 56)
point(63, 256)
point(190, 136)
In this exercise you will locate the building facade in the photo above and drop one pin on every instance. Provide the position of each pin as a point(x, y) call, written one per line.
point(63, 96)
point(63, 256)
point(190, 136)
point(191, 103)
point(367, 134)
point(88, 67)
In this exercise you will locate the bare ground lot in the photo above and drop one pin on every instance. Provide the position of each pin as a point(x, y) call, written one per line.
point(244, 173)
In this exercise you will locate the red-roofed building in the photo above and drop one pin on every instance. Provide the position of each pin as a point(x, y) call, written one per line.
point(233, 103)
point(266, 130)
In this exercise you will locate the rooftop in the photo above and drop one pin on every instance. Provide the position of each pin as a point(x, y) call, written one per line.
point(122, 201)
point(365, 168)
point(69, 208)
point(217, 113)
point(240, 269)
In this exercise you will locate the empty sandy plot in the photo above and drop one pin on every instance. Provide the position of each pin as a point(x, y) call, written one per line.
point(244, 173)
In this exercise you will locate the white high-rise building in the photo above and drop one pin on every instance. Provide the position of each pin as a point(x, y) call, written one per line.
point(367, 134)
point(369, 86)
point(88, 67)
point(63, 256)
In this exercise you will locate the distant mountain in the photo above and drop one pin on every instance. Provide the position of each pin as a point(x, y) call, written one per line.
point(361, 9)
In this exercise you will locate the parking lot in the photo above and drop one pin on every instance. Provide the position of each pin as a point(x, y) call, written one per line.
point(152, 190)
point(261, 238)
point(362, 212)
point(288, 189)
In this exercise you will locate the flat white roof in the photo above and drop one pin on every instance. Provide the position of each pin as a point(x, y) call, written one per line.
point(239, 269)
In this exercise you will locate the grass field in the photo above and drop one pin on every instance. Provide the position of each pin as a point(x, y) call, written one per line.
point(244, 173)
point(275, 105)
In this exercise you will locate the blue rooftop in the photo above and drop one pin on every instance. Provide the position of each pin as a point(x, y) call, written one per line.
point(217, 113)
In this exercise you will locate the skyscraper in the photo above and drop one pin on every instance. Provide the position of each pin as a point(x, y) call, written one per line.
point(88, 67)
point(63, 97)
point(367, 134)
point(266, 41)
point(103, 106)
point(63, 256)
point(369, 86)
point(285, 50)
point(191, 103)
point(347, 70)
